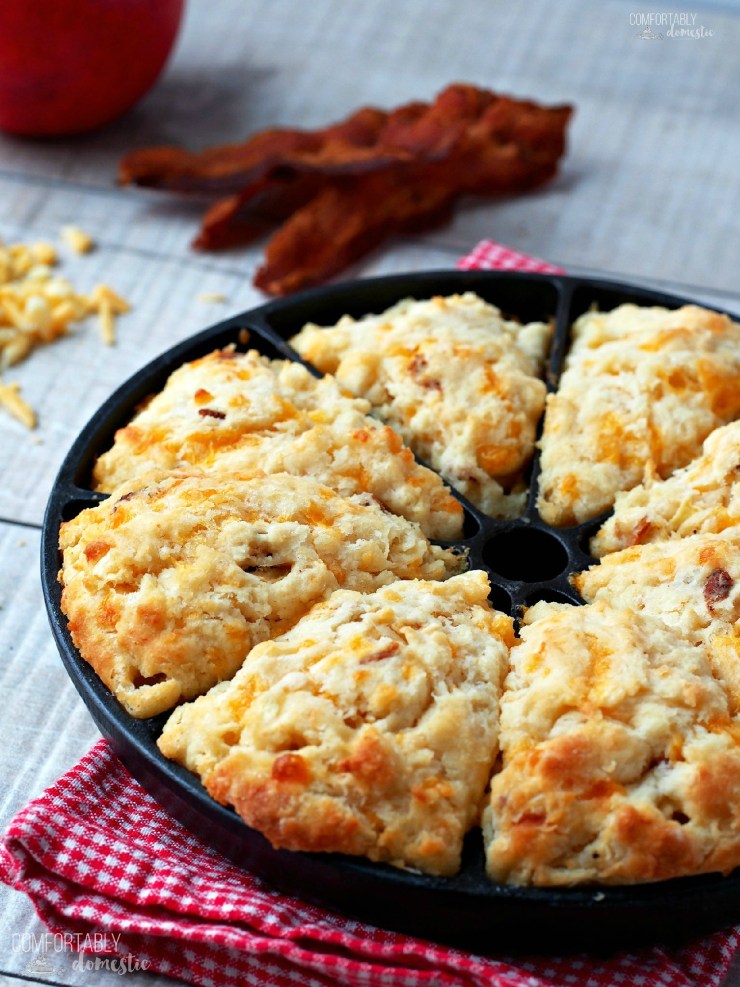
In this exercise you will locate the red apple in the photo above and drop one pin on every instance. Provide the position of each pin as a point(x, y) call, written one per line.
point(67, 66)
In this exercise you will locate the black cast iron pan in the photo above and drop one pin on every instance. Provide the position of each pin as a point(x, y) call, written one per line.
point(526, 560)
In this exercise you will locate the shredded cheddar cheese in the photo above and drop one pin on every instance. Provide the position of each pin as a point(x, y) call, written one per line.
point(77, 239)
point(11, 400)
point(37, 306)
point(108, 304)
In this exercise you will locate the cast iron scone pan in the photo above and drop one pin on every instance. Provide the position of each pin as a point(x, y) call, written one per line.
point(526, 560)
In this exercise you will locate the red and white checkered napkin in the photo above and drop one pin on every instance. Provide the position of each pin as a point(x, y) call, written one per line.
point(96, 854)
point(491, 256)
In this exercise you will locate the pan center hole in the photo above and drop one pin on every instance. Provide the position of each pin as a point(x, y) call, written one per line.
point(526, 554)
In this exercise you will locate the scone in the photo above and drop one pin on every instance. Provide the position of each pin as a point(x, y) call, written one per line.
point(702, 497)
point(641, 390)
point(621, 762)
point(240, 411)
point(691, 583)
point(370, 727)
point(458, 381)
point(171, 581)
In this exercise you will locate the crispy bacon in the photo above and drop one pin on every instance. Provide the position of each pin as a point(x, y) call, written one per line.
point(339, 191)
point(257, 209)
point(511, 148)
point(369, 138)
point(229, 167)
point(345, 221)
point(388, 651)
point(717, 587)
point(496, 144)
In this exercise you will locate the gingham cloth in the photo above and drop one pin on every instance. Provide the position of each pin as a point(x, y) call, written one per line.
point(98, 856)
point(491, 256)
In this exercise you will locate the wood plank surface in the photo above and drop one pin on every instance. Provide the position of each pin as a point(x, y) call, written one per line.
point(650, 191)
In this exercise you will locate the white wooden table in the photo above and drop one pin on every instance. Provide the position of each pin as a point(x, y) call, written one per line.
point(650, 191)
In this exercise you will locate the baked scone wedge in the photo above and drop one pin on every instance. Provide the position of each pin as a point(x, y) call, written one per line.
point(640, 391)
point(171, 581)
point(231, 411)
point(691, 583)
point(369, 728)
point(621, 761)
point(702, 497)
point(458, 381)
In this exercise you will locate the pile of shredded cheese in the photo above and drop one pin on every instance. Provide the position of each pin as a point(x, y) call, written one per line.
point(37, 306)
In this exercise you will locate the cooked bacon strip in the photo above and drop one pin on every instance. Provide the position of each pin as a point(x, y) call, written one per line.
point(341, 189)
point(344, 221)
point(370, 138)
point(229, 167)
point(258, 209)
point(412, 131)
point(514, 146)
point(504, 145)
point(511, 148)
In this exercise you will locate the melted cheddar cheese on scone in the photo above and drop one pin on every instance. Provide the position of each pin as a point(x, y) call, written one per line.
point(702, 497)
point(691, 583)
point(458, 381)
point(621, 758)
point(232, 411)
point(371, 727)
point(640, 391)
point(173, 579)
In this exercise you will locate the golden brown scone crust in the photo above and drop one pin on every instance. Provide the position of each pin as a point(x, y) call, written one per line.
point(170, 582)
point(369, 728)
point(232, 411)
point(621, 762)
point(641, 390)
point(702, 497)
point(455, 379)
point(691, 583)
